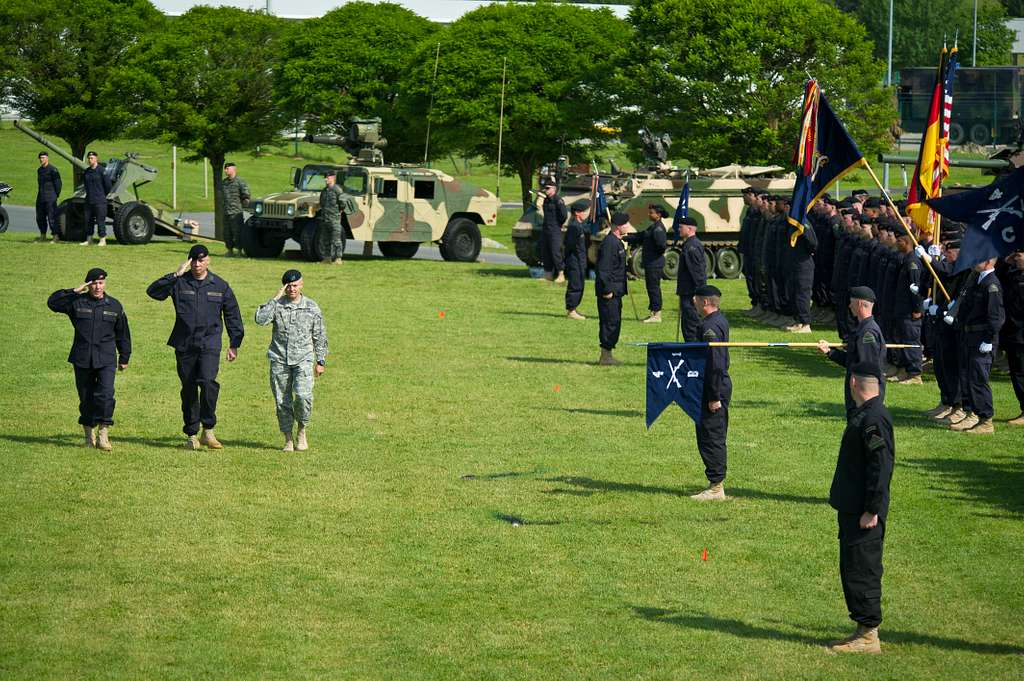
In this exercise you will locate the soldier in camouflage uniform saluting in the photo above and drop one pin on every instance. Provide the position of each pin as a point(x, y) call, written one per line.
point(333, 202)
point(298, 353)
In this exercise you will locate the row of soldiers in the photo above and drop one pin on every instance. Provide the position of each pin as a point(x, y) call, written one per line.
point(795, 276)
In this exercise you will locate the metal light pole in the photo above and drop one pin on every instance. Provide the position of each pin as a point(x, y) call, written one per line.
point(888, 83)
point(974, 47)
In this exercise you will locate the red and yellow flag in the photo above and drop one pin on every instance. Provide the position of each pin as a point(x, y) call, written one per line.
point(933, 158)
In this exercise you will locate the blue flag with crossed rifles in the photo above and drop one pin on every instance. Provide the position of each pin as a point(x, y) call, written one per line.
point(683, 207)
point(675, 373)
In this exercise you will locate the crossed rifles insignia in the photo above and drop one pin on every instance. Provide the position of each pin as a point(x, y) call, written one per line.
point(674, 369)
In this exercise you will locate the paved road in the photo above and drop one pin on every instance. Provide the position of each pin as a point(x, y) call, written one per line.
point(23, 219)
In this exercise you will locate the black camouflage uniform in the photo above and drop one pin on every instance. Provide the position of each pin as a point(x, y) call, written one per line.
point(653, 242)
point(611, 278)
point(97, 186)
point(979, 317)
point(46, 200)
point(801, 273)
point(906, 313)
point(714, 425)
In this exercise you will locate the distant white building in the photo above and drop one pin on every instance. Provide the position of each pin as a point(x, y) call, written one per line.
point(1017, 51)
point(440, 11)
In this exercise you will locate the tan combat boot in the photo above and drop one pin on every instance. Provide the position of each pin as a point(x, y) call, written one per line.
point(103, 241)
point(900, 376)
point(799, 328)
point(191, 443)
point(890, 370)
point(1019, 421)
point(90, 437)
point(865, 640)
point(943, 416)
point(653, 318)
point(715, 492)
point(560, 279)
point(209, 439)
point(337, 261)
point(968, 421)
point(607, 359)
point(102, 441)
point(289, 446)
point(302, 444)
point(573, 314)
point(547, 276)
point(912, 380)
point(982, 427)
point(954, 416)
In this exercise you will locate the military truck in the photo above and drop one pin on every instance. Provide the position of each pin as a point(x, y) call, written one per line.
point(398, 206)
point(716, 203)
point(134, 220)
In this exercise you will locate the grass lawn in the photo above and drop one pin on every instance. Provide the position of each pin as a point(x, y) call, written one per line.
point(387, 551)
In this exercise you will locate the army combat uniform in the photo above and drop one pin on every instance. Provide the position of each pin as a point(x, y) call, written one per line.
point(235, 193)
point(298, 340)
point(333, 202)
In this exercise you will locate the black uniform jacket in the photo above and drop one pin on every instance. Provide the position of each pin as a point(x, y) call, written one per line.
point(717, 384)
point(806, 245)
point(555, 212)
point(866, 343)
point(692, 272)
point(980, 313)
point(49, 183)
point(866, 456)
point(101, 327)
point(1013, 297)
point(906, 301)
point(97, 184)
point(576, 245)
point(611, 267)
point(199, 306)
point(653, 241)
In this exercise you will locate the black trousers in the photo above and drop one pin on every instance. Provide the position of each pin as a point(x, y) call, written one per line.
point(844, 320)
point(197, 371)
point(689, 320)
point(1015, 358)
point(749, 271)
point(95, 395)
point(860, 568)
point(711, 434)
point(652, 278)
point(46, 216)
point(575, 277)
point(761, 284)
point(783, 303)
point(801, 279)
point(609, 313)
point(551, 249)
point(974, 373)
point(947, 365)
point(95, 213)
point(907, 330)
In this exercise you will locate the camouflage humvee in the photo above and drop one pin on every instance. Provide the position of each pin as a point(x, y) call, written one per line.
point(398, 206)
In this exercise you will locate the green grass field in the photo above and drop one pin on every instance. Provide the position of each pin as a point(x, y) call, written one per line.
point(387, 550)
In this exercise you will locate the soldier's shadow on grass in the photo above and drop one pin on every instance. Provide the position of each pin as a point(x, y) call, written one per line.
point(636, 488)
point(742, 629)
point(557, 360)
point(510, 271)
point(901, 416)
point(530, 313)
point(995, 483)
point(623, 413)
point(67, 440)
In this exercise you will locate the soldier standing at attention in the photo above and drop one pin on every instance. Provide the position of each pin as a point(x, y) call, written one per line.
point(1011, 336)
point(203, 305)
point(333, 202)
point(551, 233)
point(576, 258)
point(97, 186)
point(860, 496)
point(866, 342)
point(46, 198)
point(235, 196)
point(905, 320)
point(298, 353)
point(692, 275)
point(102, 344)
point(714, 418)
point(611, 287)
point(653, 242)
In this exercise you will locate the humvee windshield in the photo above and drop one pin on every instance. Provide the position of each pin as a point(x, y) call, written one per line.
point(353, 180)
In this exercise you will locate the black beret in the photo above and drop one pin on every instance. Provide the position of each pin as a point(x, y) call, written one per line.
point(548, 182)
point(953, 244)
point(291, 276)
point(858, 191)
point(845, 203)
point(707, 290)
point(198, 252)
point(866, 368)
point(873, 202)
point(95, 274)
point(619, 219)
point(862, 293)
point(581, 205)
point(331, 173)
point(747, 190)
point(690, 222)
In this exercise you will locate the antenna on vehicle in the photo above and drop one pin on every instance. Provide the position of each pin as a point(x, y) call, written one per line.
point(430, 109)
point(501, 127)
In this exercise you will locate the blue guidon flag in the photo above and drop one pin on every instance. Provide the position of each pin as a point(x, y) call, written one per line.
point(683, 207)
point(675, 373)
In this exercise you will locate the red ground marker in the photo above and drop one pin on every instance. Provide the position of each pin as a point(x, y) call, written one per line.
point(441, 314)
point(558, 388)
point(704, 554)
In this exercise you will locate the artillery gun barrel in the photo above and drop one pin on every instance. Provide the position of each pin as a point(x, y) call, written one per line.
point(334, 140)
point(984, 163)
point(81, 165)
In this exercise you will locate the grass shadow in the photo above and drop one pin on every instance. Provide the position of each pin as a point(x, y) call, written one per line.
point(502, 475)
point(556, 360)
point(623, 413)
point(65, 440)
point(509, 271)
point(996, 484)
point(636, 488)
point(516, 521)
point(526, 313)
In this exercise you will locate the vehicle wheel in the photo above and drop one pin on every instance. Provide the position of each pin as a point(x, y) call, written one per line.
point(956, 133)
point(260, 243)
point(527, 250)
point(979, 134)
point(709, 263)
point(636, 262)
point(671, 264)
point(71, 217)
point(730, 264)
point(5, 220)
point(133, 223)
point(315, 241)
point(461, 241)
point(399, 249)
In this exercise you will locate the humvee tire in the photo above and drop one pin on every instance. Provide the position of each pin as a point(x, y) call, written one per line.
point(5, 220)
point(528, 250)
point(671, 265)
point(315, 241)
point(133, 223)
point(729, 262)
point(461, 241)
point(398, 249)
point(258, 243)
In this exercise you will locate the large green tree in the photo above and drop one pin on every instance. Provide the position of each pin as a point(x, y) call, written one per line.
point(65, 65)
point(921, 26)
point(725, 77)
point(212, 90)
point(349, 63)
point(554, 53)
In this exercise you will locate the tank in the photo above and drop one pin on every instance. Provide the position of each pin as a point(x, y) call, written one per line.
point(398, 206)
point(5, 221)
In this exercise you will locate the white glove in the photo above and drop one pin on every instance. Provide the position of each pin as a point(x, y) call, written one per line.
point(934, 250)
point(919, 249)
point(914, 287)
point(985, 347)
point(933, 310)
point(948, 319)
point(926, 303)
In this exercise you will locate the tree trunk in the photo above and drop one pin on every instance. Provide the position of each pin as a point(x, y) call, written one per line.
point(525, 170)
point(217, 163)
point(78, 149)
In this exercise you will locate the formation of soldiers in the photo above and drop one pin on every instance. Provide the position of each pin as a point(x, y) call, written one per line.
point(796, 278)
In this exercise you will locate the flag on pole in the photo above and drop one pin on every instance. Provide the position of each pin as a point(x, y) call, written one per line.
point(598, 204)
point(994, 217)
point(825, 153)
point(683, 207)
point(675, 373)
point(933, 157)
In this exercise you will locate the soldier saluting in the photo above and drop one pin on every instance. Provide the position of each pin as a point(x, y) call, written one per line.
point(554, 215)
point(102, 344)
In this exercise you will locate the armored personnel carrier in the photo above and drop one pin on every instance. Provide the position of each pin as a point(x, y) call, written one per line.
point(398, 206)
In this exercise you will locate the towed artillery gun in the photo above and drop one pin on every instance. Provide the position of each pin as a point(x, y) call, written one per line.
point(398, 206)
point(134, 221)
point(5, 221)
